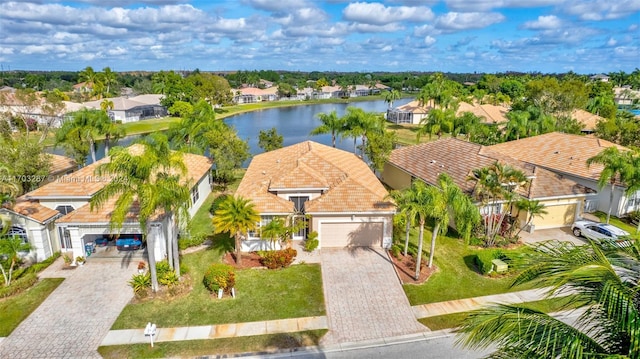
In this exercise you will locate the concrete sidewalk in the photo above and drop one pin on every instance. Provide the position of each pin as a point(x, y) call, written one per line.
point(133, 336)
point(468, 304)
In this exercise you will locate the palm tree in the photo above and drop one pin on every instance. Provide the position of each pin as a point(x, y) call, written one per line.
point(274, 231)
point(402, 199)
point(533, 209)
point(602, 280)
point(495, 184)
point(109, 78)
point(616, 166)
point(330, 124)
point(79, 134)
point(391, 96)
point(148, 180)
point(236, 216)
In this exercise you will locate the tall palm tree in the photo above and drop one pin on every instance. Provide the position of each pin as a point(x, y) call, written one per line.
point(236, 216)
point(109, 78)
point(79, 134)
point(145, 180)
point(603, 281)
point(391, 96)
point(402, 199)
point(615, 167)
point(496, 185)
point(331, 123)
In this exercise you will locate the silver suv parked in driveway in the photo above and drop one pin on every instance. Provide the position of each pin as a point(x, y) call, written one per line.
point(600, 232)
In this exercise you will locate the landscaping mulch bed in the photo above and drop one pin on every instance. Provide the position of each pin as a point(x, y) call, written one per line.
point(249, 260)
point(406, 269)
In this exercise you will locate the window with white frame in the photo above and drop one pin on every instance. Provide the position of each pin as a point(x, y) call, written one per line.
point(64, 209)
point(195, 195)
point(256, 233)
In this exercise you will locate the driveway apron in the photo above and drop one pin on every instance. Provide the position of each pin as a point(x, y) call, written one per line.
point(74, 319)
point(363, 296)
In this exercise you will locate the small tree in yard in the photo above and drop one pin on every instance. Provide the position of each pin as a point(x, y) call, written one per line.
point(236, 216)
point(219, 276)
point(10, 247)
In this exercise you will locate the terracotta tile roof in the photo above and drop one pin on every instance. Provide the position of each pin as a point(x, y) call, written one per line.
point(459, 158)
point(413, 107)
point(490, 113)
point(33, 209)
point(99, 216)
point(559, 152)
point(85, 183)
point(587, 119)
point(349, 184)
point(61, 164)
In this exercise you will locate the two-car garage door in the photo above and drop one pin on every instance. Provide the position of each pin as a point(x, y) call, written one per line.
point(351, 234)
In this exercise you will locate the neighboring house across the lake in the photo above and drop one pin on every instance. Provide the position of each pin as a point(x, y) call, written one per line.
point(333, 191)
point(254, 94)
point(562, 197)
point(132, 109)
point(414, 112)
point(566, 155)
point(58, 217)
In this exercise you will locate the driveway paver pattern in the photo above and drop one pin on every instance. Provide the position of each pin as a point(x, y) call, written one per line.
point(74, 319)
point(363, 297)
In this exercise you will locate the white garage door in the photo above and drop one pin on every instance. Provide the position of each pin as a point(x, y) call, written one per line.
point(359, 234)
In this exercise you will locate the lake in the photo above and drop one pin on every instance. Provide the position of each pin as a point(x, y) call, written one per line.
point(293, 123)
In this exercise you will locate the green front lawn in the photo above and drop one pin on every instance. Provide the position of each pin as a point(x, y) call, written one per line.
point(215, 347)
point(15, 309)
point(261, 295)
point(457, 276)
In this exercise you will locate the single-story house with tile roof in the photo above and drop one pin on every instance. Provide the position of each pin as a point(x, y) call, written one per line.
point(562, 197)
point(566, 155)
point(132, 109)
point(58, 217)
point(334, 191)
point(414, 112)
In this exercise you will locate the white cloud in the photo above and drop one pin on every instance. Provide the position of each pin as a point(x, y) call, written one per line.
point(429, 41)
point(612, 42)
point(597, 10)
point(486, 5)
point(543, 22)
point(458, 21)
point(378, 14)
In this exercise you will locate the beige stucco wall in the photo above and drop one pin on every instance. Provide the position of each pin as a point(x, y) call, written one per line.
point(395, 177)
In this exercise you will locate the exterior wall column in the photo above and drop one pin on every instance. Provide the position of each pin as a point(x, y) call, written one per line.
point(77, 244)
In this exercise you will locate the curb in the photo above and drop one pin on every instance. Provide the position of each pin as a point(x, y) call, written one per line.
point(336, 348)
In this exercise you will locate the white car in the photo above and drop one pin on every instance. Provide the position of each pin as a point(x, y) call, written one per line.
point(598, 231)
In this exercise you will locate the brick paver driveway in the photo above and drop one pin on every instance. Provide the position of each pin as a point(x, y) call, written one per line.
point(363, 296)
point(74, 319)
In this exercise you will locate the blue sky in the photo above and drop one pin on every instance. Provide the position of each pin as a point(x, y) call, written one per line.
point(589, 36)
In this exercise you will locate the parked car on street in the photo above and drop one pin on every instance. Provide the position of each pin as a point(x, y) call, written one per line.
point(600, 232)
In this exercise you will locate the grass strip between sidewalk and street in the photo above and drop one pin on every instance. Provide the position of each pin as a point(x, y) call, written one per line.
point(15, 309)
point(219, 347)
point(454, 320)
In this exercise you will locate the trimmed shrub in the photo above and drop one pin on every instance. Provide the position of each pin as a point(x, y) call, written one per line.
point(219, 276)
point(166, 275)
point(277, 259)
point(483, 260)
